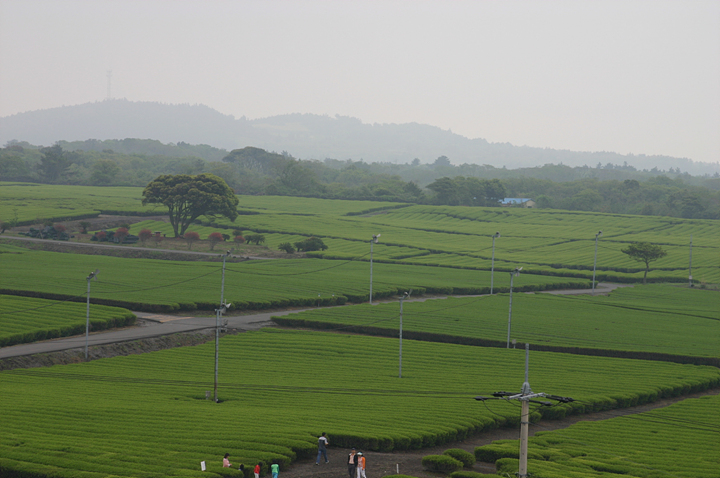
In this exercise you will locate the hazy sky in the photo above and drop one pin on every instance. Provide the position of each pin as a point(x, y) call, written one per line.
point(627, 76)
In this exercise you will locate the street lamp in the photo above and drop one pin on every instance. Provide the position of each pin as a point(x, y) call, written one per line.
point(218, 314)
point(492, 266)
point(595, 262)
point(404, 296)
point(93, 275)
point(514, 273)
point(374, 241)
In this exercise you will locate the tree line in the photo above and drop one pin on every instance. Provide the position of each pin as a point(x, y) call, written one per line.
point(253, 171)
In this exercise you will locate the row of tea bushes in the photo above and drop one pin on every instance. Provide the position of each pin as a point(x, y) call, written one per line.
point(24, 319)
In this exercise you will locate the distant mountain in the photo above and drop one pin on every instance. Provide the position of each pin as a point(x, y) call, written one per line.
point(304, 136)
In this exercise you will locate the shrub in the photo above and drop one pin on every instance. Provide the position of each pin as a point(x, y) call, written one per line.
point(466, 474)
point(257, 239)
point(287, 247)
point(311, 244)
point(467, 458)
point(84, 226)
point(214, 238)
point(144, 235)
point(101, 236)
point(441, 463)
point(226, 237)
point(59, 228)
point(157, 239)
point(191, 237)
point(239, 240)
point(121, 234)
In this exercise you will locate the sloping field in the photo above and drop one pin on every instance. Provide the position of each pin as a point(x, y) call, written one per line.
point(551, 242)
point(679, 440)
point(147, 284)
point(657, 320)
point(24, 319)
point(146, 415)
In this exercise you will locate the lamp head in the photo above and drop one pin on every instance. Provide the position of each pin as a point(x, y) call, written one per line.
point(497, 234)
point(376, 237)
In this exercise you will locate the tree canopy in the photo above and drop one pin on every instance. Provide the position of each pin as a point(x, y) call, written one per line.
point(189, 197)
point(646, 253)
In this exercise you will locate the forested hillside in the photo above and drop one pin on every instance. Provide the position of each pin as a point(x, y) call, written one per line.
point(306, 136)
point(253, 171)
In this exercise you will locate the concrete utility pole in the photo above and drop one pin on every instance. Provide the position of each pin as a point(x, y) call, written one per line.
point(373, 242)
point(595, 262)
point(404, 296)
point(690, 267)
point(514, 273)
point(218, 314)
point(525, 396)
point(93, 275)
point(492, 263)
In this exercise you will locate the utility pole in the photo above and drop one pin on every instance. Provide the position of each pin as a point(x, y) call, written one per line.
point(514, 273)
point(595, 262)
point(404, 296)
point(93, 275)
point(218, 314)
point(374, 241)
point(492, 263)
point(690, 269)
point(526, 396)
point(109, 91)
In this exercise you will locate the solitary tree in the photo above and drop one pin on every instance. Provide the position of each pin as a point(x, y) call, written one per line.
point(287, 247)
point(84, 226)
point(644, 252)
point(256, 239)
point(189, 197)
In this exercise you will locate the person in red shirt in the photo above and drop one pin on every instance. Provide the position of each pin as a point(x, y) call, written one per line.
point(257, 470)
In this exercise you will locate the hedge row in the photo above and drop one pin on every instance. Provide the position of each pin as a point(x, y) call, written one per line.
point(441, 463)
point(67, 331)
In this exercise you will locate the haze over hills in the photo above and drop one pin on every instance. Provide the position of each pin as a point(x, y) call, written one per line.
point(304, 136)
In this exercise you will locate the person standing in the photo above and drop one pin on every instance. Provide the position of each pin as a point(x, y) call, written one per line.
point(361, 466)
point(322, 449)
point(226, 462)
point(257, 470)
point(352, 463)
point(275, 469)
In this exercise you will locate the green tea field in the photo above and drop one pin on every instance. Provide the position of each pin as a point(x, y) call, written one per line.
point(147, 416)
point(148, 284)
point(24, 319)
point(680, 440)
point(654, 319)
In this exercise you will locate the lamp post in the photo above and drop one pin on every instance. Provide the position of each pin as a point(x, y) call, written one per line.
point(492, 263)
point(373, 242)
point(93, 275)
point(218, 314)
point(690, 266)
point(404, 296)
point(595, 261)
point(514, 273)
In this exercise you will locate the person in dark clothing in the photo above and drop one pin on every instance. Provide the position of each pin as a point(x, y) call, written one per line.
point(322, 449)
point(352, 463)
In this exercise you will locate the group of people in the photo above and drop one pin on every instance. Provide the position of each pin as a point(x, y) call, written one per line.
point(356, 460)
point(274, 468)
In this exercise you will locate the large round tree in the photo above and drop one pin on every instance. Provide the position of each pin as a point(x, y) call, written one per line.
point(189, 197)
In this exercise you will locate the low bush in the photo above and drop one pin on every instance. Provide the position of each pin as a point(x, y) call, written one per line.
point(466, 474)
point(467, 458)
point(441, 463)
